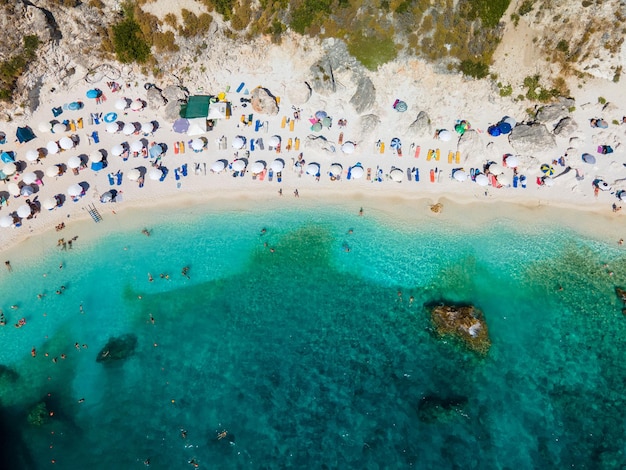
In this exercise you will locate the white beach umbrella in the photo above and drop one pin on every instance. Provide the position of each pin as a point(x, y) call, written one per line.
point(6, 221)
point(52, 171)
point(445, 135)
point(44, 127)
point(133, 175)
point(277, 165)
point(503, 179)
point(218, 166)
point(58, 128)
point(52, 147)
point(348, 147)
point(396, 175)
point(32, 155)
point(136, 105)
point(75, 190)
point(548, 181)
point(482, 180)
point(23, 211)
point(512, 161)
point(257, 167)
point(155, 174)
point(460, 175)
point(496, 169)
point(96, 156)
point(117, 150)
point(29, 177)
point(357, 172)
point(66, 143)
point(238, 165)
point(129, 128)
point(622, 196)
point(335, 169)
point(49, 203)
point(198, 144)
point(73, 162)
point(510, 121)
point(136, 146)
point(9, 168)
point(112, 127)
point(312, 169)
point(121, 104)
point(274, 141)
point(13, 189)
point(603, 185)
point(147, 127)
point(239, 142)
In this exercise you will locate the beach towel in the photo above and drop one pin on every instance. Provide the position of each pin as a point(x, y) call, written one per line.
point(95, 137)
point(119, 177)
point(57, 111)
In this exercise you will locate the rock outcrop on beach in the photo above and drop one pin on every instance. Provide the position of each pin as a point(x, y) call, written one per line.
point(565, 127)
point(555, 111)
point(471, 145)
point(531, 138)
point(367, 125)
point(421, 127)
point(466, 323)
point(263, 102)
point(118, 348)
point(365, 95)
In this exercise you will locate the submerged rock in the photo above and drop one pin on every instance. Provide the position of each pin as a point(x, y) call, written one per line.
point(436, 409)
point(621, 293)
point(118, 348)
point(8, 375)
point(38, 414)
point(466, 323)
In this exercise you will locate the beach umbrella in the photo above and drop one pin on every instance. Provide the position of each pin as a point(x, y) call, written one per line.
point(588, 158)
point(66, 143)
point(13, 189)
point(548, 181)
point(106, 197)
point(27, 191)
point(136, 105)
point(396, 143)
point(121, 104)
point(112, 127)
point(52, 171)
point(32, 155)
point(238, 142)
point(73, 162)
point(257, 167)
point(148, 127)
point(198, 144)
point(326, 122)
point(444, 135)
point(460, 175)
point(7, 157)
point(181, 125)
point(117, 150)
point(505, 127)
point(511, 161)
point(274, 141)
point(49, 203)
point(29, 177)
point(155, 174)
point(52, 147)
point(481, 179)
point(503, 179)
point(44, 127)
point(9, 169)
point(316, 127)
point(218, 166)
point(493, 131)
point(24, 211)
point(603, 185)
point(622, 196)
point(348, 148)
point(547, 169)
point(75, 105)
point(110, 117)
point(312, 169)
point(277, 165)
point(336, 169)
point(357, 172)
point(94, 93)
point(136, 146)
point(238, 165)
point(496, 169)
point(400, 106)
point(59, 128)
point(321, 115)
point(396, 175)
point(95, 156)
point(133, 175)
point(129, 128)
point(156, 150)
point(6, 221)
point(75, 190)
point(509, 120)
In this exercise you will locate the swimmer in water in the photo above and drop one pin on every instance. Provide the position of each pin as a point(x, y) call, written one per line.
point(150, 278)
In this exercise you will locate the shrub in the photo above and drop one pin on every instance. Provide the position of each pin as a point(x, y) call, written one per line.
point(526, 7)
point(11, 69)
point(601, 100)
point(506, 90)
point(562, 46)
point(474, 69)
point(129, 43)
point(372, 51)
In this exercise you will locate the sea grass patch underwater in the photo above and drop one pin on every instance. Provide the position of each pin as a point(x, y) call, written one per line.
point(308, 353)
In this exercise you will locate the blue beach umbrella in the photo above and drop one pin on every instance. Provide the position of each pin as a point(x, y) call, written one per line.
point(494, 131)
point(155, 151)
point(547, 169)
point(94, 93)
point(74, 105)
point(588, 158)
point(321, 115)
point(504, 127)
point(395, 143)
point(110, 117)
point(7, 157)
point(181, 125)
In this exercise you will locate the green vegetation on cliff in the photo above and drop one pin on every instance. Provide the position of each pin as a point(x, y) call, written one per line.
point(12, 68)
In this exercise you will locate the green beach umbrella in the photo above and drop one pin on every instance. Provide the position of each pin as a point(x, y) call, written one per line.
point(316, 127)
point(326, 122)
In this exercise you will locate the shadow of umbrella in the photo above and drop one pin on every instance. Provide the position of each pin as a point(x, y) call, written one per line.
point(60, 199)
point(142, 170)
point(84, 185)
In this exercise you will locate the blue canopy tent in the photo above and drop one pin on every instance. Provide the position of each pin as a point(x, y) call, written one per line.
point(7, 157)
point(24, 134)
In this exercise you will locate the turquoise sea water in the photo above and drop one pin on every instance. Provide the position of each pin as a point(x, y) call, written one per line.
point(308, 356)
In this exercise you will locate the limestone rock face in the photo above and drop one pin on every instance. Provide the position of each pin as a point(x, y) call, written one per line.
point(531, 138)
point(565, 127)
point(174, 93)
point(367, 124)
point(466, 323)
point(299, 93)
point(264, 102)
point(319, 143)
point(421, 127)
point(118, 348)
point(365, 95)
point(155, 98)
point(470, 145)
point(555, 111)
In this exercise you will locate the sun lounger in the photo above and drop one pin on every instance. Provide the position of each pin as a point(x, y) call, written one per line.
point(417, 174)
point(430, 155)
point(176, 174)
point(349, 175)
point(95, 137)
point(432, 175)
point(437, 154)
point(119, 177)
point(292, 123)
point(240, 87)
point(409, 173)
point(289, 143)
point(283, 122)
point(457, 157)
point(270, 175)
point(183, 169)
point(279, 176)
point(181, 147)
point(399, 151)
point(262, 175)
point(515, 180)
point(522, 180)
point(297, 144)
point(450, 156)
point(252, 145)
point(382, 148)
point(111, 180)
point(165, 172)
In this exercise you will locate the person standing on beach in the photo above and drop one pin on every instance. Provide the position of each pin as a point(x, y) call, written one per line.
point(8, 265)
point(296, 194)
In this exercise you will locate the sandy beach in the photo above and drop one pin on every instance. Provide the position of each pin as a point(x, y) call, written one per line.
point(447, 99)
